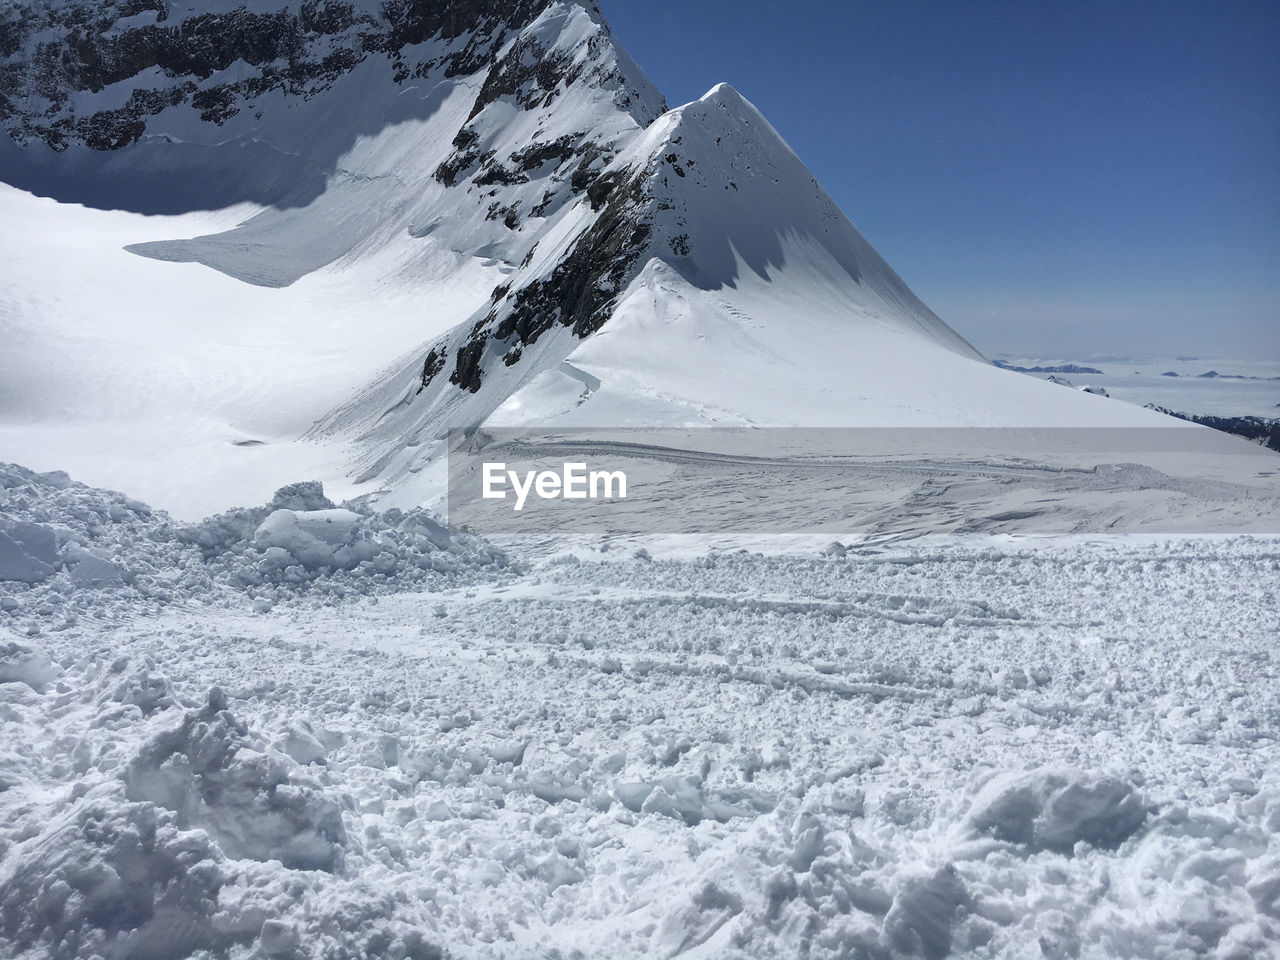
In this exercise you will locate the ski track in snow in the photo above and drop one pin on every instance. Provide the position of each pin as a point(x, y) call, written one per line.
point(965, 747)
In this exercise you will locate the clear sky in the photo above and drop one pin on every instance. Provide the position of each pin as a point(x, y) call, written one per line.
point(1054, 179)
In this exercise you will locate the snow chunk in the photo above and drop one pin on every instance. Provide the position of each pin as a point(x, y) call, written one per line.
point(144, 689)
point(315, 538)
point(20, 663)
point(255, 803)
point(680, 798)
point(1264, 887)
point(418, 524)
point(305, 495)
point(1051, 809)
point(28, 551)
point(113, 879)
point(279, 938)
point(96, 571)
point(301, 744)
point(705, 911)
point(38, 540)
point(924, 912)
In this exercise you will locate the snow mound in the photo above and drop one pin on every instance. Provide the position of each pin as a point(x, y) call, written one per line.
point(115, 879)
point(20, 663)
point(67, 549)
point(148, 825)
point(1057, 809)
point(316, 538)
point(256, 803)
point(279, 550)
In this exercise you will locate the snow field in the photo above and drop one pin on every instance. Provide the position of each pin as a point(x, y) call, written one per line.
point(959, 748)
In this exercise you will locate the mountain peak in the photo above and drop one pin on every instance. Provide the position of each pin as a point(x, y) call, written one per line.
point(724, 92)
point(491, 200)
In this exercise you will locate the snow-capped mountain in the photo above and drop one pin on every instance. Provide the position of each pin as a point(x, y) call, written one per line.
point(456, 213)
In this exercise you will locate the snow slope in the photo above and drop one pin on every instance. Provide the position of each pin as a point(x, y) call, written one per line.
point(179, 382)
point(496, 206)
point(130, 362)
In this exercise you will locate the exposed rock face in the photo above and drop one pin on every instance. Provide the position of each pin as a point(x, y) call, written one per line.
point(164, 107)
point(579, 293)
point(54, 54)
point(1261, 430)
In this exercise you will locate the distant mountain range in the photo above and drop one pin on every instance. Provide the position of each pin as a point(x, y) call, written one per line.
point(1261, 430)
point(1057, 368)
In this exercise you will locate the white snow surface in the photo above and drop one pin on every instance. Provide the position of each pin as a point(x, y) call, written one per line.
point(984, 747)
point(130, 362)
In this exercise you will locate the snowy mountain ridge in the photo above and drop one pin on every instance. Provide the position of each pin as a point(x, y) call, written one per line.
point(428, 215)
point(189, 86)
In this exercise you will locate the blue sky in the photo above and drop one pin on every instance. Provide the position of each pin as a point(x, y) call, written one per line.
point(1054, 179)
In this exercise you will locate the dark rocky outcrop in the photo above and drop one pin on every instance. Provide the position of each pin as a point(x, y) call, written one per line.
point(467, 370)
point(579, 293)
point(51, 53)
point(1057, 368)
point(432, 365)
point(1261, 430)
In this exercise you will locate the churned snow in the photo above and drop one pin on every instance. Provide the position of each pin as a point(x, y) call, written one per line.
point(249, 743)
point(329, 726)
